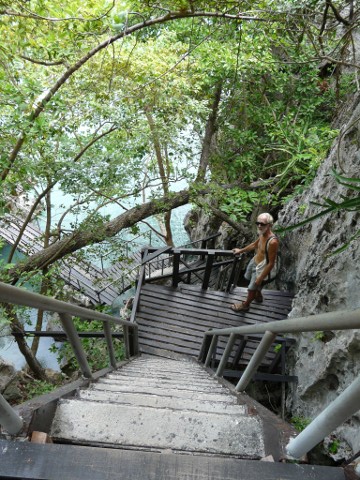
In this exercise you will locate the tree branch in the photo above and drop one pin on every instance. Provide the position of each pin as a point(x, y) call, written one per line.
point(82, 238)
point(44, 99)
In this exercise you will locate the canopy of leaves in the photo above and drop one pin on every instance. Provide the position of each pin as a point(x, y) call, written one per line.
point(81, 79)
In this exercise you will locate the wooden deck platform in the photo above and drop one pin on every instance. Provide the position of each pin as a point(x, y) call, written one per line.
point(100, 286)
point(175, 319)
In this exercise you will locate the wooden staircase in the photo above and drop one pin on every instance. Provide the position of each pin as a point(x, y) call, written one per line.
point(162, 415)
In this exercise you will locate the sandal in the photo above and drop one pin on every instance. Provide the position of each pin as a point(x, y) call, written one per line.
point(258, 297)
point(239, 307)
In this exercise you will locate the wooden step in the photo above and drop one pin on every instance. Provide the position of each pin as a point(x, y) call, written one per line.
point(25, 460)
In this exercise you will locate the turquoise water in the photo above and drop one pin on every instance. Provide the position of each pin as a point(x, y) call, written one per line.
point(8, 348)
point(145, 236)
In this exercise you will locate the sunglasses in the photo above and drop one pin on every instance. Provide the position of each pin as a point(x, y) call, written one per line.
point(260, 224)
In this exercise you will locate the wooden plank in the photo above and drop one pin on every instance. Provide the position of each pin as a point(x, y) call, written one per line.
point(153, 343)
point(274, 295)
point(168, 341)
point(210, 298)
point(189, 348)
point(276, 303)
point(201, 314)
point(176, 319)
point(207, 308)
point(199, 311)
point(162, 324)
point(26, 460)
point(154, 327)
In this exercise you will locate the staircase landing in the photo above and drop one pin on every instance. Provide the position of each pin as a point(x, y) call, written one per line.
point(175, 319)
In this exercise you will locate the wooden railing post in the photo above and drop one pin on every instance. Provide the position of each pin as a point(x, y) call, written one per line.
point(176, 266)
point(133, 341)
point(208, 268)
point(126, 341)
point(234, 274)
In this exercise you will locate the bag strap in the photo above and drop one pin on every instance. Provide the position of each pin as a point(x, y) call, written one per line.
point(266, 247)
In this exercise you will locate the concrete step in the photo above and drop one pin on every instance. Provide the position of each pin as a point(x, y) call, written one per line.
point(160, 428)
point(161, 374)
point(191, 383)
point(173, 372)
point(161, 404)
point(181, 391)
point(175, 403)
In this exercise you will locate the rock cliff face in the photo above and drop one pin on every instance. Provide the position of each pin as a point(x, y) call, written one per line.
point(326, 363)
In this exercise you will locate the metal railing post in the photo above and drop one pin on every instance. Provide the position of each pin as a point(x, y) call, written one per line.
point(205, 345)
point(126, 341)
point(255, 361)
point(345, 405)
point(76, 344)
point(225, 356)
point(212, 351)
point(9, 419)
point(109, 343)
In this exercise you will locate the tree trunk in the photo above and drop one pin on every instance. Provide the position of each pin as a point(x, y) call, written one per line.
point(33, 363)
point(82, 238)
point(209, 133)
point(44, 279)
point(164, 173)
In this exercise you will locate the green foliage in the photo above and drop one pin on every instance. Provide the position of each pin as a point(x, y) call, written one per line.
point(300, 423)
point(38, 387)
point(333, 446)
point(277, 347)
point(320, 336)
point(302, 209)
point(95, 348)
point(239, 203)
point(4, 320)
